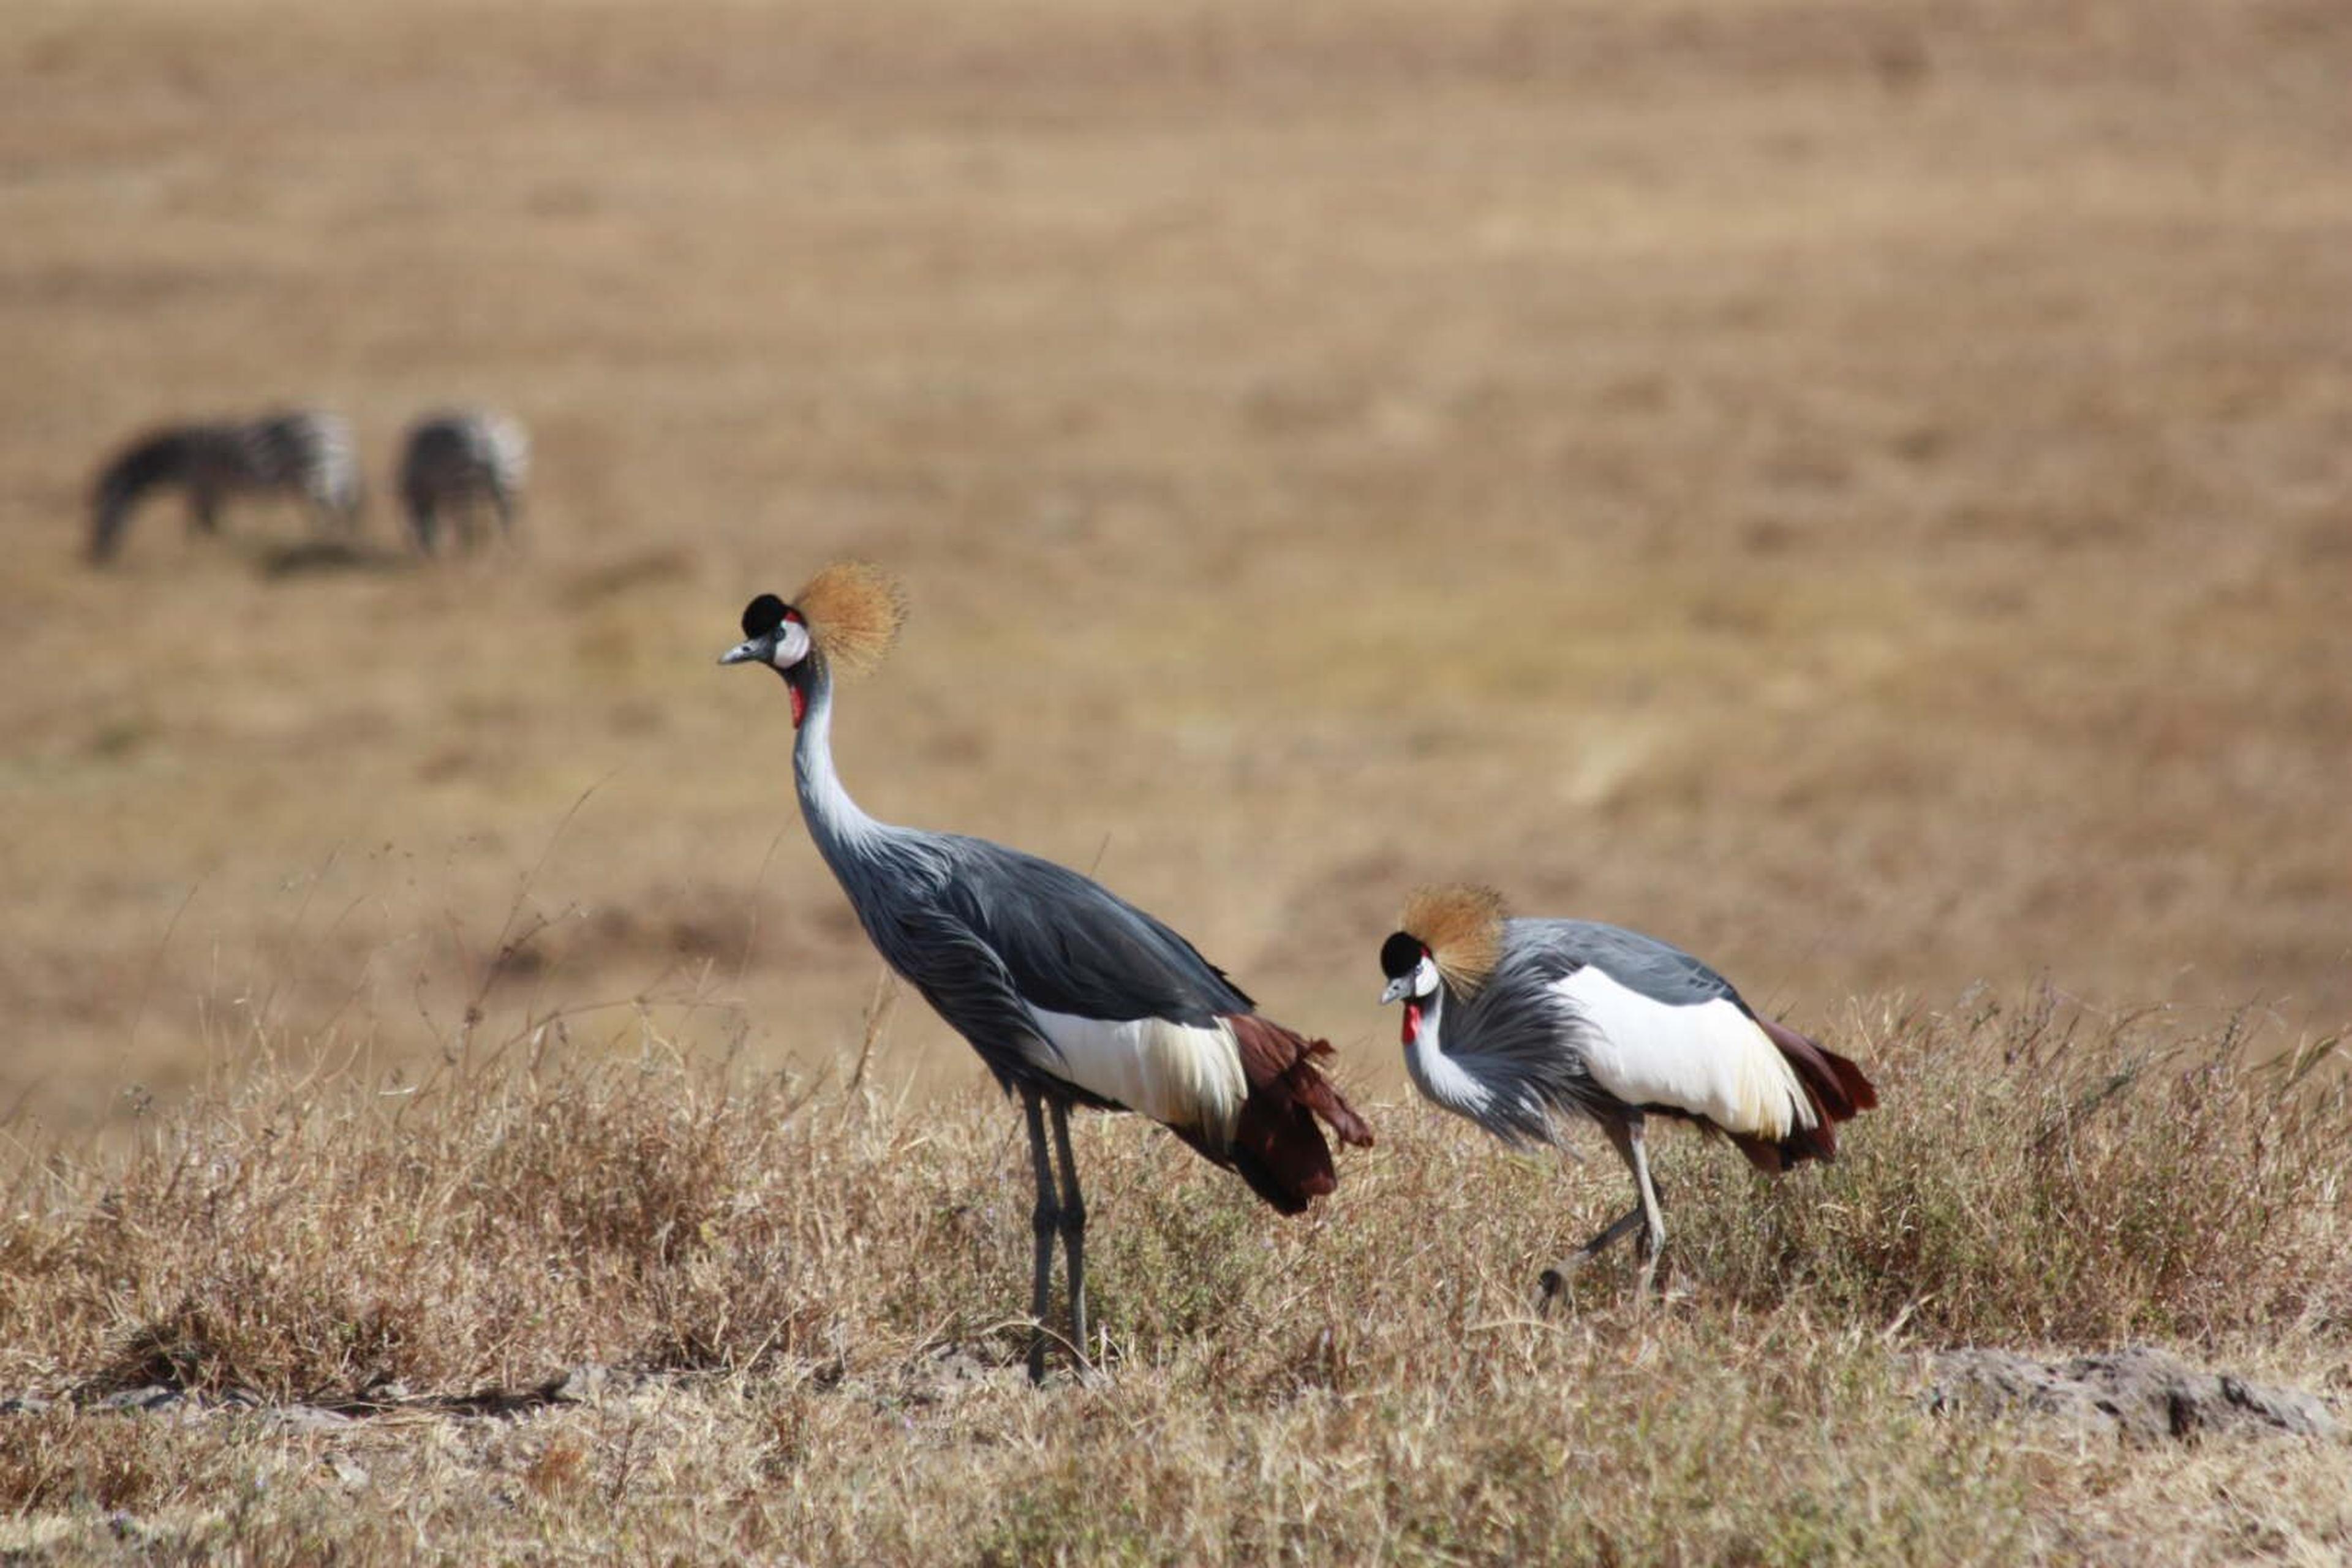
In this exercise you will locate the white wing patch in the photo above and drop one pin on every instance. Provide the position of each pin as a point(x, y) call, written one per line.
point(1710, 1060)
point(1177, 1074)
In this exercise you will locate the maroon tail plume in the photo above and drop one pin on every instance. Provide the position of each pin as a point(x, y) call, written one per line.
point(1836, 1087)
point(1277, 1148)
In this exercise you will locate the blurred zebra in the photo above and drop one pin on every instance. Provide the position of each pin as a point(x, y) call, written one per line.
point(304, 454)
point(455, 462)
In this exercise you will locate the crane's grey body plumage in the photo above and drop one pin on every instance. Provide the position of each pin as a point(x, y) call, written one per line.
point(1658, 970)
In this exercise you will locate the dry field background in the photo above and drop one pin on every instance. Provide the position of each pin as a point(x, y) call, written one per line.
point(1863, 490)
point(1858, 489)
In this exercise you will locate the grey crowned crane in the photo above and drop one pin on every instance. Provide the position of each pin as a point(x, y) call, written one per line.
point(1523, 1025)
point(1071, 995)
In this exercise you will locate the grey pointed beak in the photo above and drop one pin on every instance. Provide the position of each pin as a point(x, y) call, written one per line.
point(1397, 990)
point(745, 652)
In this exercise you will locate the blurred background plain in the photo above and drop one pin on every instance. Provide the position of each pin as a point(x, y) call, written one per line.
point(1862, 490)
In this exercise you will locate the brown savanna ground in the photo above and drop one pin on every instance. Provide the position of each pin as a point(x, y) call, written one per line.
point(1860, 491)
point(1863, 490)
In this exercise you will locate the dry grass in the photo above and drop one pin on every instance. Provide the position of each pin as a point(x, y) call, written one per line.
point(823, 1279)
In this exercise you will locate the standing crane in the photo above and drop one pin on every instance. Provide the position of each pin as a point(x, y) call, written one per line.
point(1070, 994)
point(1521, 1026)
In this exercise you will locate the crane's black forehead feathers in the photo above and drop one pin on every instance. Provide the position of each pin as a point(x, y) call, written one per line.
point(1400, 955)
point(763, 615)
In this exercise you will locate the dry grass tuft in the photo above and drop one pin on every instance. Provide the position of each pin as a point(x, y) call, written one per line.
point(2047, 1178)
point(806, 1297)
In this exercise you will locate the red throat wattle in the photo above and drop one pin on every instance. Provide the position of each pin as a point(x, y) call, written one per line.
point(800, 707)
point(1411, 1021)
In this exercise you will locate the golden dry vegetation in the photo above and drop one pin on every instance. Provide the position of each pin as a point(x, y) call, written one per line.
point(1858, 489)
point(668, 1313)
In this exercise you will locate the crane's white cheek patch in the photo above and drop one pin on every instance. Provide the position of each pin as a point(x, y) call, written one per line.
point(1710, 1060)
point(1177, 1074)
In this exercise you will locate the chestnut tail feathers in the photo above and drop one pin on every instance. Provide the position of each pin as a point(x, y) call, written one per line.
point(1277, 1147)
point(1837, 1088)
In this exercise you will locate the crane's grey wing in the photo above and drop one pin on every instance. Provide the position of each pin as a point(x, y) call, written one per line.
point(960, 974)
point(1070, 945)
point(1657, 970)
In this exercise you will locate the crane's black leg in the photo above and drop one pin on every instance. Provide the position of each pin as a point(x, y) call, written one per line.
point(1654, 1235)
point(1074, 1229)
point(1626, 1139)
point(1043, 1221)
point(1554, 1279)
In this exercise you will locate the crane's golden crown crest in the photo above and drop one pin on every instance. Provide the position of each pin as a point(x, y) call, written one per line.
point(1462, 925)
point(854, 610)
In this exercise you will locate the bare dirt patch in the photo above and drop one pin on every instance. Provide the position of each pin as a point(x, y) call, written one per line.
point(2139, 1393)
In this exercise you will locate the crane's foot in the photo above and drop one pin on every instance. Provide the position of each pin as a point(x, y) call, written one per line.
point(1063, 1379)
point(1069, 1368)
point(1552, 1285)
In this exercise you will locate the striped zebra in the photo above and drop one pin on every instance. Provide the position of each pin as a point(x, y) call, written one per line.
point(455, 463)
point(303, 454)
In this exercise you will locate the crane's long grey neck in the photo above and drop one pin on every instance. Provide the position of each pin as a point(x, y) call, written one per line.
point(1438, 1075)
point(834, 820)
